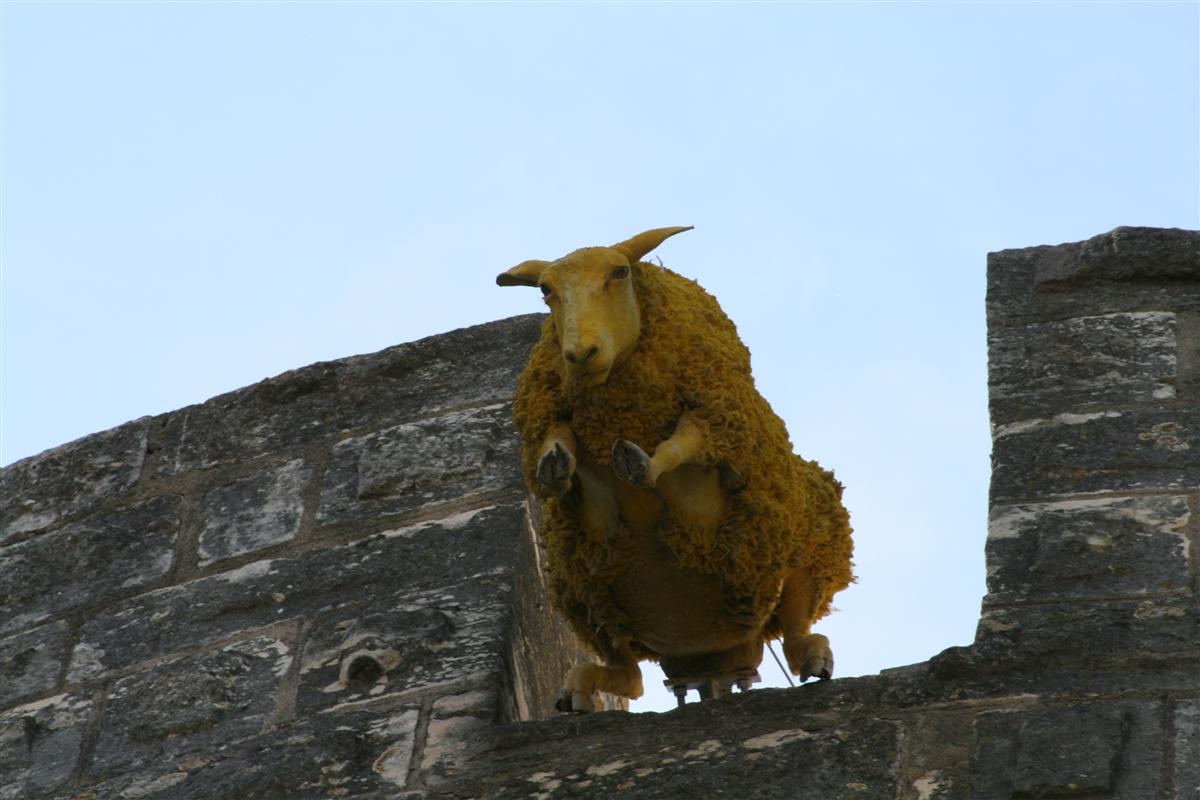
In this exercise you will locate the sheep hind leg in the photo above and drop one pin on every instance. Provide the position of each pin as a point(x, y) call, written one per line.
point(808, 654)
point(620, 676)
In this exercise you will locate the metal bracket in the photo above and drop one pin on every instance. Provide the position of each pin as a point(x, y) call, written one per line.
point(712, 686)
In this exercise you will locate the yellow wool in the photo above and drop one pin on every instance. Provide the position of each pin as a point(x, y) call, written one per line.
point(688, 357)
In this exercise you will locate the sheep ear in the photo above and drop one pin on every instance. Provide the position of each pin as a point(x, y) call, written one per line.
point(527, 273)
point(636, 248)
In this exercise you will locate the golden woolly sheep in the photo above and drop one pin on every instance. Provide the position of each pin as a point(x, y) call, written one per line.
point(697, 554)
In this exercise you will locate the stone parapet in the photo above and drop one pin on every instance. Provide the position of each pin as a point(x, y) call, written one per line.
point(304, 588)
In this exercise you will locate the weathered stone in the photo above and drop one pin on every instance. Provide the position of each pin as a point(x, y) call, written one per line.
point(40, 743)
point(541, 648)
point(684, 754)
point(1087, 634)
point(420, 557)
point(478, 702)
point(1101, 451)
point(1127, 269)
point(470, 367)
point(451, 744)
point(404, 641)
point(40, 491)
point(95, 560)
point(1080, 751)
point(1088, 548)
point(363, 754)
point(1124, 254)
point(402, 468)
point(1187, 750)
point(1042, 368)
point(30, 661)
point(190, 708)
point(253, 513)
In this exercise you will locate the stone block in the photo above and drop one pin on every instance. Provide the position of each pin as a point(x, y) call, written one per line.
point(1127, 269)
point(1088, 635)
point(404, 642)
point(1088, 548)
point(1187, 750)
point(541, 648)
point(466, 368)
point(30, 661)
point(1042, 368)
point(407, 466)
point(451, 744)
point(95, 560)
point(421, 557)
point(1102, 451)
point(1125, 254)
point(40, 491)
point(666, 757)
point(359, 755)
point(40, 744)
point(253, 513)
point(190, 708)
point(1075, 751)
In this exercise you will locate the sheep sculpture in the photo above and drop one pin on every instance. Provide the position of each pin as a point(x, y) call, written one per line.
point(720, 540)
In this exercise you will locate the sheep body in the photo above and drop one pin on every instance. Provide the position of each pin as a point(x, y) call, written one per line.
point(783, 512)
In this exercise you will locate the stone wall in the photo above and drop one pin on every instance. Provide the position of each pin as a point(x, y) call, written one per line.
point(326, 585)
point(311, 587)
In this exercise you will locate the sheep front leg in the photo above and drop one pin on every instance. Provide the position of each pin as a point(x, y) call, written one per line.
point(556, 464)
point(808, 654)
point(632, 465)
point(620, 675)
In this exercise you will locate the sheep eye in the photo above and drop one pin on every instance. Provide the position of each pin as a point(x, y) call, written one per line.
point(620, 272)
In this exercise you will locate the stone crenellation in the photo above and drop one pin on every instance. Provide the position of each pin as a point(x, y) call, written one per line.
point(328, 585)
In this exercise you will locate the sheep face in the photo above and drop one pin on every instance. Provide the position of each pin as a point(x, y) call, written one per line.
point(592, 300)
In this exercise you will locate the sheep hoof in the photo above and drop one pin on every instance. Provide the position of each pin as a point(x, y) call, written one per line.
point(554, 470)
point(816, 667)
point(810, 657)
point(570, 702)
point(631, 464)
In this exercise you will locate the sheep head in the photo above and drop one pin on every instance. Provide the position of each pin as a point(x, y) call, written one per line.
point(592, 300)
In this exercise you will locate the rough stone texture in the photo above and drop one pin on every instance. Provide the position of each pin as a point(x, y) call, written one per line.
point(30, 661)
point(1097, 547)
point(299, 589)
point(254, 513)
point(40, 743)
point(48, 488)
point(96, 560)
point(1085, 751)
point(329, 584)
point(184, 710)
point(415, 464)
point(426, 556)
point(1082, 363)
point(1187, 748)
point(1099, 451)
point(1083, 279)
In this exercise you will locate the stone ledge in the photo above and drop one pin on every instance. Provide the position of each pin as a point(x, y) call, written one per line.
point(902, 734)
point(1127, 269)
point(1122, 254)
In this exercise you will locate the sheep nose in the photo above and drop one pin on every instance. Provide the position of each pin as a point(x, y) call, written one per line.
point(575, 358)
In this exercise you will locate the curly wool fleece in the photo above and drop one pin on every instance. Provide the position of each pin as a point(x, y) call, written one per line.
point(788, 513)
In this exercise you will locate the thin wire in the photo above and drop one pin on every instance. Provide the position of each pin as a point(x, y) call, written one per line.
point(786, 674)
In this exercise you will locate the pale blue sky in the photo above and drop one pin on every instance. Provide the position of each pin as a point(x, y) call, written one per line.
point(197, 196)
